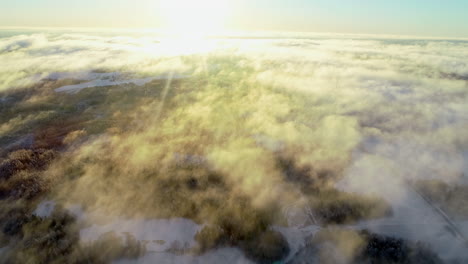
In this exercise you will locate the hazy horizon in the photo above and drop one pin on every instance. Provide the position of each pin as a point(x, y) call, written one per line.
point(165, 33)
point(416, 18)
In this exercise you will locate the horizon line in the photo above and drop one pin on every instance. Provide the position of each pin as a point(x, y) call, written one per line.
point(235, 33)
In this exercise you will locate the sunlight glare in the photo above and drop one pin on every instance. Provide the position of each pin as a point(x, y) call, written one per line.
point(194, 18)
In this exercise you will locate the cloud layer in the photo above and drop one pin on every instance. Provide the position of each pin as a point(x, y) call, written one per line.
point(256, 128)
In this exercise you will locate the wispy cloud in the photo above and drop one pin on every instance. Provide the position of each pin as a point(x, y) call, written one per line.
point(261, 125)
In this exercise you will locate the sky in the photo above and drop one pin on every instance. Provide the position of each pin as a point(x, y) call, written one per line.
point(398, 17)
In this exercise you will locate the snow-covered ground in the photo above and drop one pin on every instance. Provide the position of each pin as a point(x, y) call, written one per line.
point(227, 255)
point(159, 235)
point(416, 221)
point(106, 79)
point(413, 217)
point(297, 238)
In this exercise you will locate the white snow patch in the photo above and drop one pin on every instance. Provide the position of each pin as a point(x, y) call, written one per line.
point(224, 255)
point(159, 235)
point(413, 219)
point(112, 80)
point(85, 75)
point(296, 237)
point(45, 209)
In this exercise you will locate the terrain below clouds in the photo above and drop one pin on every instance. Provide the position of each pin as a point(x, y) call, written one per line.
point(134, 148)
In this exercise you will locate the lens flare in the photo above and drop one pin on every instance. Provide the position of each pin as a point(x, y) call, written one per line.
point(194, 18)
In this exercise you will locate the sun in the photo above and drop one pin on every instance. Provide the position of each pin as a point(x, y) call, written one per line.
point(194, 17)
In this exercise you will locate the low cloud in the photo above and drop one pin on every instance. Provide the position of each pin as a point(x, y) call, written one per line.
point(257, 127)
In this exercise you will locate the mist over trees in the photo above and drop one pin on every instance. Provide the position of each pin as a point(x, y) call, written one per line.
point(282, 150)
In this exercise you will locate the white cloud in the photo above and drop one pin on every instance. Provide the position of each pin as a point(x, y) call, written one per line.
point(378, 112)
